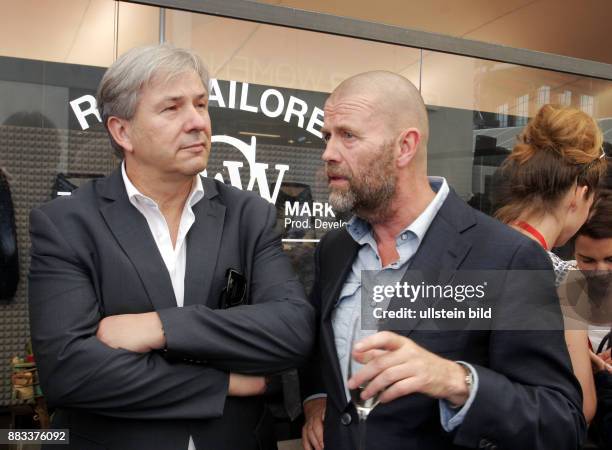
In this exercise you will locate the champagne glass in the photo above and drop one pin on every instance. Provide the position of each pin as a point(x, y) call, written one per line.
point(364, 407)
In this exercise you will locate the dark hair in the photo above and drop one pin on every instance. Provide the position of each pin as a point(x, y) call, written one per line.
point(560, 146)
point(599, 223)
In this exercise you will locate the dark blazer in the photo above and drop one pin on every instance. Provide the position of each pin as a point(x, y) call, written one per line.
point(601, 427)
point(93, 255)
point(528, 397)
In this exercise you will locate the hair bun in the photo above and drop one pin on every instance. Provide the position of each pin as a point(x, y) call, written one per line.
point(570, 133)
point(559, 148)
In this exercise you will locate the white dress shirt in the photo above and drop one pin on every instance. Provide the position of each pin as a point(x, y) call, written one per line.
point(175, 258)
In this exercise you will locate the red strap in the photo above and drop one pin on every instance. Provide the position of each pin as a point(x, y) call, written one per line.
point(532, 231)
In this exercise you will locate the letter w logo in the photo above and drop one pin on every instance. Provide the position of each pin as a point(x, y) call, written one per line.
point(258, 170)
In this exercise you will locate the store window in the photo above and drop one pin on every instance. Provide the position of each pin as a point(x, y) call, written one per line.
point(477, 109)
point(565, 98)
point(543, 95)
point(587, 104)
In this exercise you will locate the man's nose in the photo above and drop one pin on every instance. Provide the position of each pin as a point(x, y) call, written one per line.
point(197, 119)
point(331, 153)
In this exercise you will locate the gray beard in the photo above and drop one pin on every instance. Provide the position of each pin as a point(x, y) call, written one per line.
point(369, 198)
point(342, 202)
point(371, 201)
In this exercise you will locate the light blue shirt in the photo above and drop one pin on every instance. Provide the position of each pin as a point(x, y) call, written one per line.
point(348, 307)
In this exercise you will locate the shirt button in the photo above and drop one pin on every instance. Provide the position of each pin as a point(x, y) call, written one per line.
point(404, 236)
point(346, 419)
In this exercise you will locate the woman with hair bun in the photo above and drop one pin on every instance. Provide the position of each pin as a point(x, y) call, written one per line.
point(547, 188)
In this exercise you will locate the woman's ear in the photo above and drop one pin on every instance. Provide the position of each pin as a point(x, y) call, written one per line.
point(119, 130)
point(582, 195)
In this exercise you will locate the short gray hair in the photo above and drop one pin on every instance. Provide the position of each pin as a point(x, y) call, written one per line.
point(121, 85)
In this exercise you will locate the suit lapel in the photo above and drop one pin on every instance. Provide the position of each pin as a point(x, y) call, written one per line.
point(339, 259)
point(444, 247)
point(442, 250)
point(203, 244)
point(130, 229)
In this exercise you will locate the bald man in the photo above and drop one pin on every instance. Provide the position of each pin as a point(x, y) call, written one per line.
point(438, 390)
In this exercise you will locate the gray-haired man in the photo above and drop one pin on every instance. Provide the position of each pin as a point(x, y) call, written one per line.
point(130, 276)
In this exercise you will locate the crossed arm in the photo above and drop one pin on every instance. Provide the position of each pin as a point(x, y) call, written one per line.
point(143, 333)
point(272, 333)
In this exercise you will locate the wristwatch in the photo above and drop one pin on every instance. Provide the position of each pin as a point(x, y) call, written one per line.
point(469, 381)
point(469, 376)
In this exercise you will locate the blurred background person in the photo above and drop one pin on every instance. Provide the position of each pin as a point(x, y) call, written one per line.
point(593, 251)
point(547, 189)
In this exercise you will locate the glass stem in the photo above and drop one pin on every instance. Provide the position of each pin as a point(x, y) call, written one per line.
point(362, 430)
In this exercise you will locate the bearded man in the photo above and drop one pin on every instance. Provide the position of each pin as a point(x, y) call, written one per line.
point(438, 389)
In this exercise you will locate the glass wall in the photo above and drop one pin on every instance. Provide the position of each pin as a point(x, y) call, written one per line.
point(478, 108)
point(569, 28)
point(266, 99)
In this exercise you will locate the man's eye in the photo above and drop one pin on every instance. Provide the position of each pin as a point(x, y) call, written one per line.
point(169, 108)
point(326, 137)
point(587, 260)
point(348, 135)
point(201, 105)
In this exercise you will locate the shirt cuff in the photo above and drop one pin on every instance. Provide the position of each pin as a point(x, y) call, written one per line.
point(450, 417)
point(313, 396)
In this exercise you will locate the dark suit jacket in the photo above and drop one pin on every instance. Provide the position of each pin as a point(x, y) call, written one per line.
point(528, 397)
point(601, 427)
point(93, 255)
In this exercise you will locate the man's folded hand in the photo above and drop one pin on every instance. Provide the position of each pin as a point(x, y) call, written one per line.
point(312, 432)
point(134, 332)
point(246, 385)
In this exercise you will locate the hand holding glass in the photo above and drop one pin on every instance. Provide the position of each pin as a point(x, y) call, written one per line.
point(364, 407)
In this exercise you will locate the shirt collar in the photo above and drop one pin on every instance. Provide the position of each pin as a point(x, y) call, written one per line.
point(197, 190)
point(360, 230)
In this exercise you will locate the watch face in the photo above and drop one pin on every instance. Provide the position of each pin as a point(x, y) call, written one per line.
point(469, 376)
point(469, 379)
